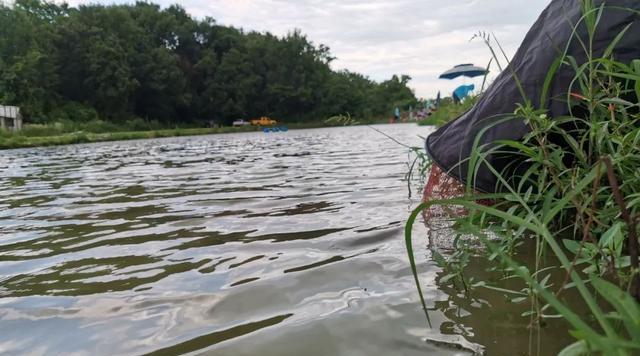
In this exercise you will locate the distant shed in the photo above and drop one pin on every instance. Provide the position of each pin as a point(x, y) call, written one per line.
point(10, 118)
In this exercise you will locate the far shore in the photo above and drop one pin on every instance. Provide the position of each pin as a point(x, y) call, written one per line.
point(18, 140)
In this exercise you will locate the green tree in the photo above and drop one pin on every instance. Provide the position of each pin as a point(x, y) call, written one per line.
point(126, 61)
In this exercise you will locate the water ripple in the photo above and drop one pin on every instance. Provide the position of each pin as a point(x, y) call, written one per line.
point(219, 244)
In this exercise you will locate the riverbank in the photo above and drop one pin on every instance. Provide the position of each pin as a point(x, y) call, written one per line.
point(35, 137)
point(24, 141)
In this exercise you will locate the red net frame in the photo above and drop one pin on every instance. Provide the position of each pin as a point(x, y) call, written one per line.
point(440, 186)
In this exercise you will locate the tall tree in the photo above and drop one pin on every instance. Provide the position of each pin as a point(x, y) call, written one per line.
point(143, 61)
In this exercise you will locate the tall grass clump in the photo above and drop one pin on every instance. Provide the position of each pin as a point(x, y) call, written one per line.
point(578, 200)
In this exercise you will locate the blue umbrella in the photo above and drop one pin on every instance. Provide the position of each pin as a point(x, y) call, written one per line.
point(464, 70)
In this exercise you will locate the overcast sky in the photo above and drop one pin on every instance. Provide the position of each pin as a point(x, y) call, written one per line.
point(378, 38)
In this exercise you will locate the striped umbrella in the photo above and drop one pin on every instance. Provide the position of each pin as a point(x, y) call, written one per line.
point(464, 70)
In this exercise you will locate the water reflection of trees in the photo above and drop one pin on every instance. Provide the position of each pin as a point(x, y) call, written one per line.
point(95, 275)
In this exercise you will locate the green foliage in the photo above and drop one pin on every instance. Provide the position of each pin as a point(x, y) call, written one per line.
point(74, 112)
point(448, 111)
point(120, 62)
point(45, 135)
point(579, 199)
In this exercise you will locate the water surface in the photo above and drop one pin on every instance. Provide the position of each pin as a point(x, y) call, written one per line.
point(239, 244)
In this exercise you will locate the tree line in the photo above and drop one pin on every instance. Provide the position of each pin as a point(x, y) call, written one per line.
point(142, 62)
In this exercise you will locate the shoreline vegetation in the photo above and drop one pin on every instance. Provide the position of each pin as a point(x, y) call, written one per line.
point(17, 140)
point(576, 201)
point(448, 111)
point(141, 66)
point(52, 135)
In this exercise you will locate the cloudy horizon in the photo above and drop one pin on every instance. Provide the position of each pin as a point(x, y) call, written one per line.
point(380, 38)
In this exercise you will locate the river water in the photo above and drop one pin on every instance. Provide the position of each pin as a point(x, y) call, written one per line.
point(238, 244)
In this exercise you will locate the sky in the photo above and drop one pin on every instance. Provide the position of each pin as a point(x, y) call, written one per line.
point(379, 38)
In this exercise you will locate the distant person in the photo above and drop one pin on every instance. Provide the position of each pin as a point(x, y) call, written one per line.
point(462, 92)
point(456, 99)
point(396, 114)
point(432, 109)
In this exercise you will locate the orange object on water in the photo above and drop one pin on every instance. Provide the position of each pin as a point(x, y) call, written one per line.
point(263, 121)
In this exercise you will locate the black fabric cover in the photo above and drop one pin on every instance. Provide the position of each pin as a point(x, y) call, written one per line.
point(451, 145)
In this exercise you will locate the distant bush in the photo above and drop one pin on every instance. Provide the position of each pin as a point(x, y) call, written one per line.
point(448, 111)
point(139, 124)
point(74, 112)
point(97, 126)
point(39, 130)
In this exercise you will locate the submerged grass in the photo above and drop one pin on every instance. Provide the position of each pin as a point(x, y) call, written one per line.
point(579, 200)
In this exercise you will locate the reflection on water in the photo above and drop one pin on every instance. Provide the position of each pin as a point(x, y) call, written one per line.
point(502, 322)
point(239, 244)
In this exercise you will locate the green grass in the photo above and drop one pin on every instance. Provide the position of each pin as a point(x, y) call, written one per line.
point(20, 140)
point(448, 111)
point(36, 135)
point(579, 200)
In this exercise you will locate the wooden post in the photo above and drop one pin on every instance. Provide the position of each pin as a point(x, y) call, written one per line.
point(17, 123)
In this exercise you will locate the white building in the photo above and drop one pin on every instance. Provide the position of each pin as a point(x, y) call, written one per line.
point(10, 118)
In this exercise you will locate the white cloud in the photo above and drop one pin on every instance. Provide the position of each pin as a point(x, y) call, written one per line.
point(421, 38)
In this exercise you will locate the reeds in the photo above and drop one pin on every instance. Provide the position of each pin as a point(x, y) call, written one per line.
point(579, 199)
